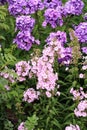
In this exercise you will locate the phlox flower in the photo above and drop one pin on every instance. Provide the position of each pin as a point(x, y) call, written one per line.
point(24, 23)
point(52, 3)
point(72, 127)
point(30, 95)
point(81, 33)
point(73, 7)
point(22, 126)
point(53, 17)
point(22, 70)
point(80, 111)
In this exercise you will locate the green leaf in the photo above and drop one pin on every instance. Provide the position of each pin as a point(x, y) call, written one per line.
point(3, 82)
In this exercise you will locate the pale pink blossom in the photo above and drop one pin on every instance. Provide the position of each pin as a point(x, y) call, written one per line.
point(30, 95)
point(72, 127)
point(48, 94)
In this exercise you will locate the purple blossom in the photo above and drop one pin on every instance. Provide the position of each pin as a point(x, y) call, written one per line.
point(81, 32)
point(65, 55)
point(60, 36)
point(25, 23)
point(73, 7)
point(24, 40)
point(34, 5)
point(52, 3)
point(84, 50)
point(53, 17)
point(17, 7)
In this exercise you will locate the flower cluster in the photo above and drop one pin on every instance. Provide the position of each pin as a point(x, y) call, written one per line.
point(43, 68)
point(81, 32)
point(72, 127)
point(52, 3)
point(25, 23)
point(59, 36)
point(17, 7)
point(34, 5)
point(24, 7)
point(30, 95)
point(79, 95)
point(24, 40)
point(22, 70)
point(53, 17)
point(73, 7)
point(64, 54)
point(81, 110)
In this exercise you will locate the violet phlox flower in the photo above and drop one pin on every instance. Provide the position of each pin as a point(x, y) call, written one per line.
point(81, 110)
point(24, 40)
point(72, 127)
point(18, 7)
point(81, 32)
point(25, 23)
point(53, 17)
point(65, 55)
point(73, 7)
point(34, 5)
point(52, 3)
point(57, 36)
point(84, 50)
point(30, 95)
point(22, 126)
